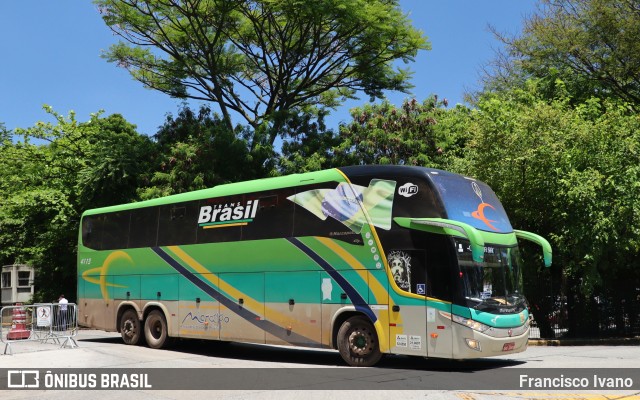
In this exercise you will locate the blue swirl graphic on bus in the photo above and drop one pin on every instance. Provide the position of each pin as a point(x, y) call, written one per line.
point(347, 202)
point(341, 204)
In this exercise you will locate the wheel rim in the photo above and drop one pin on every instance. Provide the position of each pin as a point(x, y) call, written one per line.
point(129, 328)
point(360, 342)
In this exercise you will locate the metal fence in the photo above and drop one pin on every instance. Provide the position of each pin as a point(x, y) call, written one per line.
point(47, 322)
point(603, 318)
point(559, 323)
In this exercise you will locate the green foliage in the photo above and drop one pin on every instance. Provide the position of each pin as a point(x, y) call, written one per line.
point(308, 145)
point(414, 134)
point(568, 173)
point(5, 135)
point(561, 107)
point(55, 172)
point(39, 227)
point(98, 162)
point(591, 46)
point(263, 60)
point(116, 162)
point(196, 151)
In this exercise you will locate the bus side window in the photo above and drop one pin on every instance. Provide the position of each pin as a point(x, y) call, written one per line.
point(144, 227)
point(177, 224)
point(274, 216)
point(408, 270)
point(115, 230)
point(92, 231)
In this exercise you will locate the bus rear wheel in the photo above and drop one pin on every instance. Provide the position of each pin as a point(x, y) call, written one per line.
point(358, 342)
point(155, 330)
point(130, 327)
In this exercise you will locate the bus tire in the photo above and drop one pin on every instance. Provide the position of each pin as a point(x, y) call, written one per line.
point(130, 327)
point(358, 342)
point(155, 330)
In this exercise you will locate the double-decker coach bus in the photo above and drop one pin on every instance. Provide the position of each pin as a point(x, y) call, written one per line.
point(367, 260)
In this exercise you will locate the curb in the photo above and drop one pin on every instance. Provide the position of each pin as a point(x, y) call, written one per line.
point(586, 342)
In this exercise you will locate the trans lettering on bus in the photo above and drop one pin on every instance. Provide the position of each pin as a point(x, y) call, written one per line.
point(222, 214)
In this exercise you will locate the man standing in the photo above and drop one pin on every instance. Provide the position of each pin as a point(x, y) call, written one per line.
point(62, 312)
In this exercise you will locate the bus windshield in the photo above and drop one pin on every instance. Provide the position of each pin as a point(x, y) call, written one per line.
point(496, 284)
point(472, 202)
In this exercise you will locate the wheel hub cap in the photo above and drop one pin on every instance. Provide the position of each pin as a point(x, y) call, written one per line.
point(359, 342)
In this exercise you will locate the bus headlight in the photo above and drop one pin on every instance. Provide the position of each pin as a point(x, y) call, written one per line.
point(473, 344)
point(469, 323)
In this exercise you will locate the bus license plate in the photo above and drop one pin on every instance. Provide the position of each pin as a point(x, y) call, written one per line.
point(509, 346)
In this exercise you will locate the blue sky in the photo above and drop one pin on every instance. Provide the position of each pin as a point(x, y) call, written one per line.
point(50, 54)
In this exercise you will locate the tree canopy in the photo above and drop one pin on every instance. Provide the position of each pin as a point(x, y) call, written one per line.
point(196, 150)
point(263, 59)
point(568, 171)
point(591, 46)
point(413, 134)
point(50, 175)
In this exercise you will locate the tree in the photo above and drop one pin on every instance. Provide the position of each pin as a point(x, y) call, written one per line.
point(561, 106)
point(263, 60)
point(49, 177)
point(570, 173)
point(4, 133)
point(39, 227)
point(196, 151)
point(117, 161)
point(413, 134)
point(308, 145)
point(591, 46)
point(99, 162)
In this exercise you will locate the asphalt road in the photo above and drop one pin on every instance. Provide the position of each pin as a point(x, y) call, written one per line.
point(253, 371)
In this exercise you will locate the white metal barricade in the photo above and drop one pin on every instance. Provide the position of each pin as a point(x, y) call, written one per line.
point(43, 322)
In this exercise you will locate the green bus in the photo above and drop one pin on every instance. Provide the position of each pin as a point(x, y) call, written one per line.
point(368, 260)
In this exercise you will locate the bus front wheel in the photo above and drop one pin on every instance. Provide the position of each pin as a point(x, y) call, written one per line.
point(130, 327)
point(155, 330)
point(358, 342)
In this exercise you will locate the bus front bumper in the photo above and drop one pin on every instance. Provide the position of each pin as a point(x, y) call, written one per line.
point(474, 344)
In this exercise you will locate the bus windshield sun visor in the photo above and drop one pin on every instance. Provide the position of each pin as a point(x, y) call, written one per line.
point(448, 227)
point(537, 239)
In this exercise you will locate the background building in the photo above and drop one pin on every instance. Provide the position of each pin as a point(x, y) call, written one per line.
point(16, 284)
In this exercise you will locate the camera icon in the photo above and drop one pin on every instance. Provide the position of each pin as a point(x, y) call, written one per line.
point(19, 379)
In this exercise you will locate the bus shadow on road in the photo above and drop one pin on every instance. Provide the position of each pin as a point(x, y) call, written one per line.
point(314, 357)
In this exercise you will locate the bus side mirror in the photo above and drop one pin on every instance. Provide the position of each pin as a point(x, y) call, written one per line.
point(448, 227)
point(537, 239)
